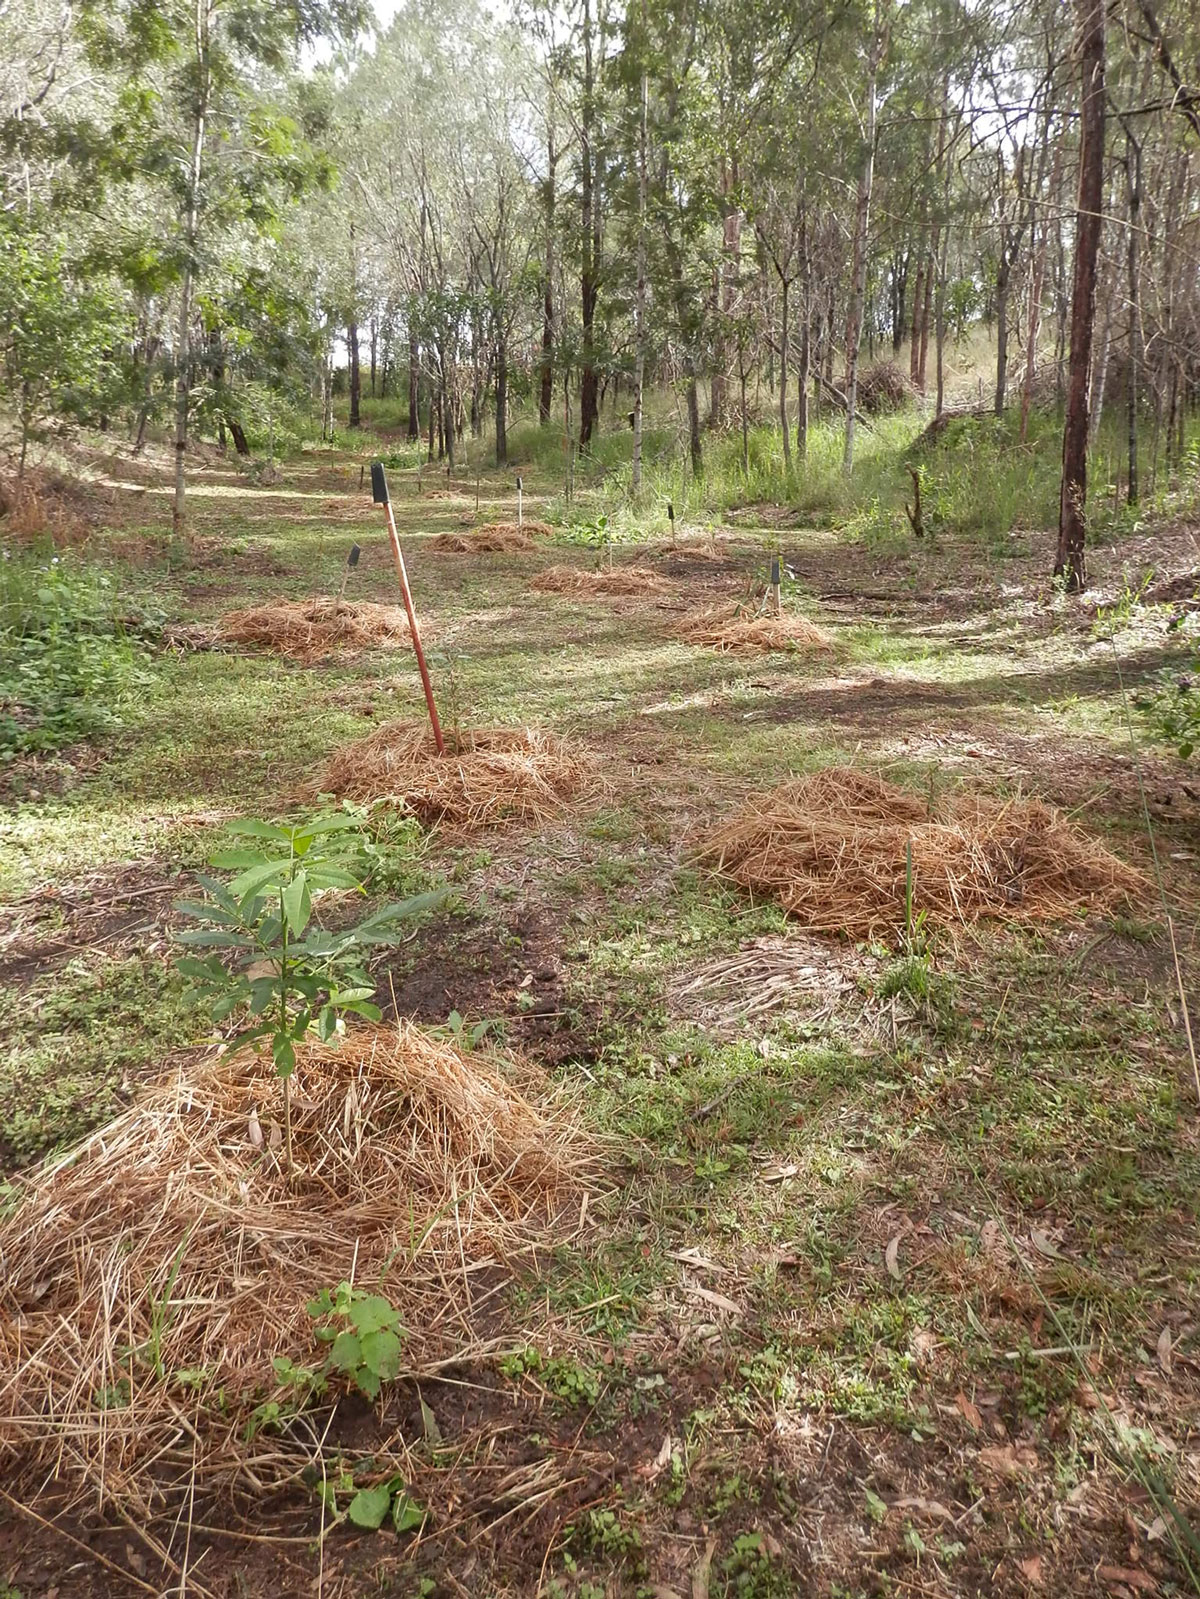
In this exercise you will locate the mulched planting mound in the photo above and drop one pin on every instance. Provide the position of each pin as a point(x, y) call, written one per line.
point(736, 630)
point(487, 775)
point(151, 1277)
point(831, 850)
point(584, 585)
point(494, 538)
point(306, 630)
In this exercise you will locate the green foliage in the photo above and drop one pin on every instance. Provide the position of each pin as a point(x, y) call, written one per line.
point(561, 1375)
point(70, 655)
point(289, 976)
point(389, 1500)
point(1173, 712)
point(58, 329)
point(749, 1570)
point(364, 1334)
point(601, 1532)
point(72, 1051)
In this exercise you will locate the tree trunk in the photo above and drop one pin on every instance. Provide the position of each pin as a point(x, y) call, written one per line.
point(726, 285)
point(802, 392)
point(918, 306)
point(695, 447)
point(589, 387)
point(926, 314)
point(784, 286)
point(183, 354)
point(639, 302)
point(374, 326)
point(745, 425)
point(1070, 563)
point(862, 225)
point(1099, 375)
point(1003, 282)
point(546, 374)
point(501, 399)
point(355, 374)
point(1039, 248)
point(1133, 177)
point(414, 391)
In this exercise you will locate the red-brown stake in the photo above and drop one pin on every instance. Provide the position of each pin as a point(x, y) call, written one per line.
point(381, 496)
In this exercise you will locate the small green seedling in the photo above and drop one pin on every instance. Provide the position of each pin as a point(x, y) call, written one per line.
point(288, 976)
point(364, 1333)
point(371, 1507)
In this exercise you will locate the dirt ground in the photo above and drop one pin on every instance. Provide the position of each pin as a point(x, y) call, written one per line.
point(886, 1285)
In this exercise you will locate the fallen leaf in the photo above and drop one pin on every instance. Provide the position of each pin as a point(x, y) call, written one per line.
point(992, 1241)
point(254, 1130)
point(923, 1343)
point(1156, 1530)
point(664, 1453)
point(433, 1433)
point(1008, 1460)
point(710, 1298)
point(1130, 1576)
point(776, 1174)
point(693, 1257)
point(969, 1411)
point(1165, 1348)
point(927, 1507)
point(1031, 1570)
point(702, 1571)
point(1044, 1244)
point(891, 1257)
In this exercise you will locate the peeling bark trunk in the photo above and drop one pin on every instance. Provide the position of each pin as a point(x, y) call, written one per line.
point(1070, 564)
point(191, 227)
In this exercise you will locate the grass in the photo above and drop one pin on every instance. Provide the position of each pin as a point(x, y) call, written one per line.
point(793, 1302)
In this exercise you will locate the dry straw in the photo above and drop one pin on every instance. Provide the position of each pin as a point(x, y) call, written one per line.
point(306, 630)
point(150, 1278)
point(494, 538)
point(487, 775)
point(586, 584)
point(831, 849)
point(735, 630)
point(43, 506)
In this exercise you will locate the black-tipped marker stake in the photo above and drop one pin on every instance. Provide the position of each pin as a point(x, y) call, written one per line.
point(379, 494)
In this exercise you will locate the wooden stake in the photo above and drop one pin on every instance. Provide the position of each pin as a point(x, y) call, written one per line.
point(379, 490)
point(916, 521)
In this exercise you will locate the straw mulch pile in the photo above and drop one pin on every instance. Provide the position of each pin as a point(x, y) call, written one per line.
point(494, 538)
point(736, 630)
point(620, 580)
point(486, 776)
point(831, 850)
point(149, 1278)
point(306, 630)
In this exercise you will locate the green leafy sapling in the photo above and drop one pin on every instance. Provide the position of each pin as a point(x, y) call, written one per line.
point(364, 1335)
point(288, 976)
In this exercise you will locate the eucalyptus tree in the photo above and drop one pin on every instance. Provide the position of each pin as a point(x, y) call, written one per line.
point(203, 87)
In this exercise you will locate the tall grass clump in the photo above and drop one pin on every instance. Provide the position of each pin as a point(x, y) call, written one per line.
point(71, 654)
